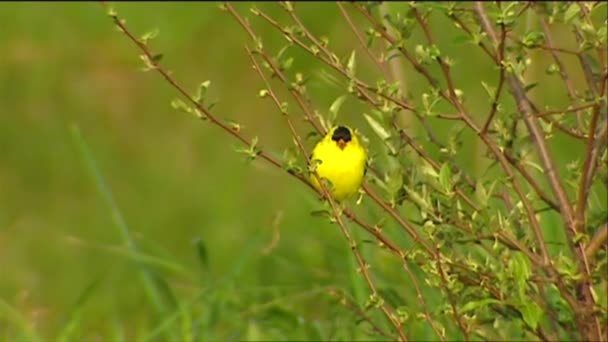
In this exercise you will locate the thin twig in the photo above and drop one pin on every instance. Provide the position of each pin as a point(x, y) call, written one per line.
point(562, 68)
point(524, 107)
point(597, 241)
point(336, 213)
point(353, 307)
point(567, 110)
point(501, 77)
point(549, 167)
point(381, 66)
point(297, 96)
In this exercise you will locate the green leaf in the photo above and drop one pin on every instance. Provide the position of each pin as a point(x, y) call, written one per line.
point(429, 101)
point(335, 108)
point(533, 164)
point(394, 181)
point(428, 169)
point(402, 314)
point(533, 39)
point(201, 252)
point(445, 178)
point(111, 11)
point(571, 12)
point(252, 151)
point(201, 91)
point(157, 58)
point(290, 160)
point(282, 51)
point(552, 69)
point(377, 127)
point(321, 213)
point(263, 93)
point(286, 64)
point(418, 199)
point(351, 65)
point(470, 306)
point(149, 35)
point(481, 194)
point(491, 91)
point(530, 86)
point(178, 104)
point(521, 269)
point(531, 313)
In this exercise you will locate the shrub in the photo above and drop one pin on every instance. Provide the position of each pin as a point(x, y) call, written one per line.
point(491, 192)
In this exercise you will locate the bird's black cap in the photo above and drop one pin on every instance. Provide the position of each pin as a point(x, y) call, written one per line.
point(341, 133)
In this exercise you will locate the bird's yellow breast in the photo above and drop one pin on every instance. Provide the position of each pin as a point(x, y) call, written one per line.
point(343, 168)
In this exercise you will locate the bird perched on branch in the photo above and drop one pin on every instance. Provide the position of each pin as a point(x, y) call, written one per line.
point(340, 159)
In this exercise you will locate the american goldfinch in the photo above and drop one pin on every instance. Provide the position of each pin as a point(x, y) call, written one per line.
point(341, 160)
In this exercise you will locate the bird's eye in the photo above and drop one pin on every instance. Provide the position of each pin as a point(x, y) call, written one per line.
point(341, 133)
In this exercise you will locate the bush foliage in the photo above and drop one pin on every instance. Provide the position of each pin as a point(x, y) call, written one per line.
point(507, 242)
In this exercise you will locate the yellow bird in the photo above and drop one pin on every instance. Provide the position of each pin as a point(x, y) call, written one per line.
point(341, 160)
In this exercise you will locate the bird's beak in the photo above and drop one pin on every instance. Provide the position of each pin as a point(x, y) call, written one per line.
point(342, 144)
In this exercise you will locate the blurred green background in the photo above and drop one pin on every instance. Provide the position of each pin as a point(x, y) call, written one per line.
point(175, 180)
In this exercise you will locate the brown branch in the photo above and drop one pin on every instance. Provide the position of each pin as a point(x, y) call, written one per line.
point(363, 269)
point(362, 88)
point(586, 65)
point(404, 224)
point(445, 68)
point(535, 132)
point(204, 112)
point(456, 102)
point(601, 53)
point(549, 167)
point(350, 215)
point(552, 121)
point(143, 47)
point(531, 181)
point(597, 241)
point(589, 167)
point(452, 301)
point(453, 99)
point(370, 192)
point(557, 49)
point(501, 77)
point(567, 110)
point(336, 213)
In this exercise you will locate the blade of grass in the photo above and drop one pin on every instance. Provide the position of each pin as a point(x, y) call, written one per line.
point(75, 315)
point(144, 258)
point(156, 292)
point(7, 312)
point(172, 318)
